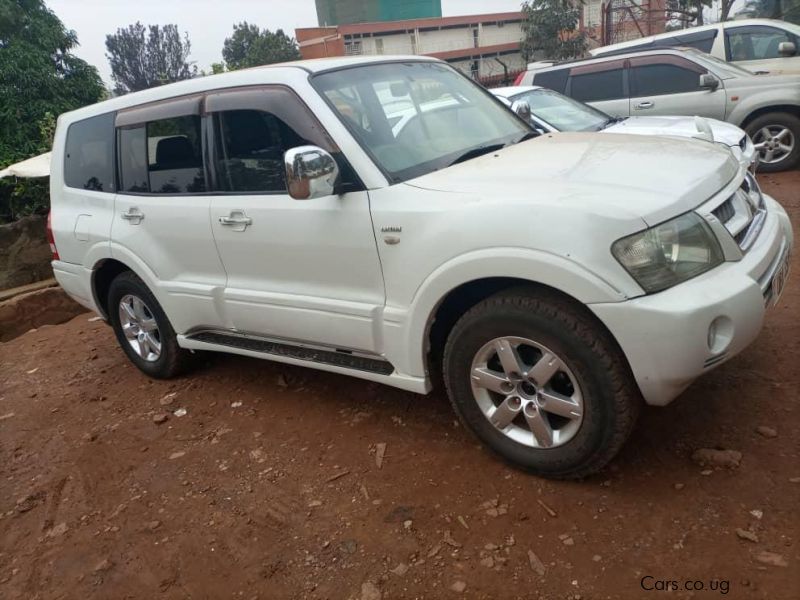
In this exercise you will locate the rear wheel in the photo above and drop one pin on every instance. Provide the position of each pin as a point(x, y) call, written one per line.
point(776, 137)
point(143, 330)
point(542, 384)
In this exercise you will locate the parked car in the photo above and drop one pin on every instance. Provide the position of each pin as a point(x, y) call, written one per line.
point(551, 112)
point(758, 45)
point(687, 82)
point(552, 282)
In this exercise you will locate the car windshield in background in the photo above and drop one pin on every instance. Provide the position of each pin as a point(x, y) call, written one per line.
point(417, 117)
point(563, 113)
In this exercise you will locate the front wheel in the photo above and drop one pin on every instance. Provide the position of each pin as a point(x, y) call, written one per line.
point(776, 137)
point(542, 384)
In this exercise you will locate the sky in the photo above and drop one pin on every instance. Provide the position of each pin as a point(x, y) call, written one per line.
point(208, 22)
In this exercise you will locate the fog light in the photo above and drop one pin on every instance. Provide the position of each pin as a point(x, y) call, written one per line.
point(720, 334)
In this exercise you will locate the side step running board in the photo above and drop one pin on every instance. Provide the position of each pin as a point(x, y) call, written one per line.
point(328, 357)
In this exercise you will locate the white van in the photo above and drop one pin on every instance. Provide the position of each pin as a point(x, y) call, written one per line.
point(553, 282)
point(758, 45)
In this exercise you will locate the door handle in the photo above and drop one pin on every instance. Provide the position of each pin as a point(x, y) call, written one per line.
point(643, 105)
point(134, 215)
point(237, 220)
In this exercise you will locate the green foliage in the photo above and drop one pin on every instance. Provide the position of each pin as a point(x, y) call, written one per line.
point(250, 46)
point(39, 79)
point(144, 57)
point(550, 30)
point(788, 10)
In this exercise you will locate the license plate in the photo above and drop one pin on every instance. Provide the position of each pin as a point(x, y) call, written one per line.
point(779, 280)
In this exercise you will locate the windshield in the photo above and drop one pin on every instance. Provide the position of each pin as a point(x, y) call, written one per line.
point(722, 69)
point(417, 117)
point(563, 113)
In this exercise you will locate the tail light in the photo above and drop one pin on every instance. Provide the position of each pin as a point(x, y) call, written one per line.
point(50, 239)
point(518, 80)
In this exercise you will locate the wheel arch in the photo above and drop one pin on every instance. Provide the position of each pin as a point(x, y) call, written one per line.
point(791, 109)
point(461, 283)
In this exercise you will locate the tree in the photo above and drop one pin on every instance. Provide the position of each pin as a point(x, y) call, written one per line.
point(39, 79)
point(250, 46)
point(550, 30)
point(788, 10)
point(144, 57)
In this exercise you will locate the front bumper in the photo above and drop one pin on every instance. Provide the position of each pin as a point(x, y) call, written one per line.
point(665, 336)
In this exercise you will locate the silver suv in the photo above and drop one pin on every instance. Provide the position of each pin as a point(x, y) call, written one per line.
point(671, 81)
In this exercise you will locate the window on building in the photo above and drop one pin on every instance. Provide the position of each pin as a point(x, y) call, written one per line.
point(474, 69)
point(89, 154)
point(249, 150)
point(413, 43)
point(353, 48)
point(653, 76)
point(594, 86)
point(378, 45)
point(755, 42)
point(475, 38)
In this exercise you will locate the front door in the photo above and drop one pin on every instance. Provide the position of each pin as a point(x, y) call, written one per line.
point(757, 48)
point(670, 85)
point(161, 222)
point(304, 271)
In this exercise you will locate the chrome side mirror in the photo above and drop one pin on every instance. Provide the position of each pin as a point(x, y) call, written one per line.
point(787, 49)
point(311, 172)
point(523, 109)
point(709, 82)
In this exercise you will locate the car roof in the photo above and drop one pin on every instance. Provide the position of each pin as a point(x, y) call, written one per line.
point(513, 90)
point(602, 50)
point(676, 50)
point(262, 75)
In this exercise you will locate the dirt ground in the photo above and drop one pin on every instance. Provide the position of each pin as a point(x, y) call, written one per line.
point(269, 486)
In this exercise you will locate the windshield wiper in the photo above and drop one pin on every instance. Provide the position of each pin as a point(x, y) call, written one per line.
point(612, 121)
point(528, 136)
point(475, 152)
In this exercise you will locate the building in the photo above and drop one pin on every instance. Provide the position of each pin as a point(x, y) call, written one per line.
point(485, 47)
point(345, 12)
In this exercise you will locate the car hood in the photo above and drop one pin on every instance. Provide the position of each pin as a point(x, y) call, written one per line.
point(726, 133)
point(763, 82)
point(648, 177)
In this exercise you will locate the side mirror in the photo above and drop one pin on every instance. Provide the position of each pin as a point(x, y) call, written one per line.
point(787, 49)
point(523, 109)
point(311, 172)
point(709, 82)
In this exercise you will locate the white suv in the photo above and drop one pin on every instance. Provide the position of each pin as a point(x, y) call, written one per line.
point(552, 282)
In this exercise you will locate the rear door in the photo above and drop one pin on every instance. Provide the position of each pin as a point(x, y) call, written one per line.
point(670, 85)
point(161, 225)
point(298, 270)
point(755, 47)
point(602, 85)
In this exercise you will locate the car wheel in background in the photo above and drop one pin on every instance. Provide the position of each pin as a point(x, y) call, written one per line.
point(776, 137)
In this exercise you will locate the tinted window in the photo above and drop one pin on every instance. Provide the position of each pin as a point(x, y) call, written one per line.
point(250, 148)
point(601, 85)
point(174, 156)
point(652, 80)
point(755, 42)
point(133, 160)
point(703, 40)
point(88, 160)
point(554, 80)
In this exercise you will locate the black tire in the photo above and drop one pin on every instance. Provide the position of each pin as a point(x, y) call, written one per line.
point(610, 395)
point(790, 122)
point(173, 359)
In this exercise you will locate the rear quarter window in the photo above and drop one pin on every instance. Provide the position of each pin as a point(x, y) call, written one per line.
point(554, 80)
point(89, 154)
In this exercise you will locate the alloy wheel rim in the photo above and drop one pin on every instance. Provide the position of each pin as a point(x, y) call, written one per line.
point(527, 392)
point(773, 143)
point(139, 327)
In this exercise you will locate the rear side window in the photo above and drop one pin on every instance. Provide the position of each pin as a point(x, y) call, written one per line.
point(89, 156)
point(594, 86)
point(554, 80)
point(162, 157)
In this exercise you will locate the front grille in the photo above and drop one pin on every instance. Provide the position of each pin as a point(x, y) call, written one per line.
point(725, 211)
point(743, 213)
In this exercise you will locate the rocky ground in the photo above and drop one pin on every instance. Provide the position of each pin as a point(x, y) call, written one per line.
point(250, 479)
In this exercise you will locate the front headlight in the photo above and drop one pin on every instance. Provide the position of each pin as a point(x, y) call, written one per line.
point(670, 253)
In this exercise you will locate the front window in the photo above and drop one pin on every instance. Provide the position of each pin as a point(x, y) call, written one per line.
point(417, 117)
point(756, 42)
point(563, 113)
